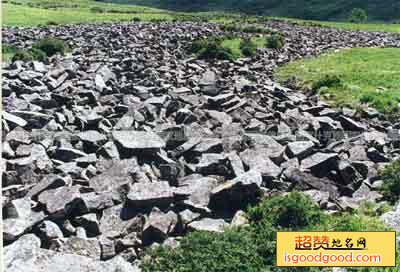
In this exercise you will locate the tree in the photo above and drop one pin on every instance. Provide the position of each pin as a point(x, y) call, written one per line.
point(358, 15)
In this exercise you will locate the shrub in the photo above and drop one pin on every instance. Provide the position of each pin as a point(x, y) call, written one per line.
point(275, 41)
point(22, 55)
point(211, 49)
point(215, 50)
point(248, 48)
point(358, 15)
point(38, 54)
point(253, 248)
point(357, 222)
point(248, 249)
point(29, 55)
point(8, 49)
point(51, 23)
point(294, 211)
point(328, 81)
point(391, 181)
point(386, 102)
point(51, 46)
point(136, 19)
point(369, 208)
point(233, 250)
point(97, 10)
point(198, 45)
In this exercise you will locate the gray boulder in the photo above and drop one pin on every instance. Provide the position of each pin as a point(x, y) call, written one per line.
point(26, 255)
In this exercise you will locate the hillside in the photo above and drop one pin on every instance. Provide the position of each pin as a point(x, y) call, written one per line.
point(378, 10)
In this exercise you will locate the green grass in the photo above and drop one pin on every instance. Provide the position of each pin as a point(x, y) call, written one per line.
point(23, 15)
point(234, 45)
point(362, 72)
point(35, 12)
point(378, 27)
point(377, 10)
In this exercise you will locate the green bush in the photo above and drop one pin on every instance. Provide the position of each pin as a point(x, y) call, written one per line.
point(136, 19)
point(51, 46)
point(97, 10)
point(211, 48)
point(386, 102)
point(328, 81)
point(198, 45)
point(248, 48)
point(372, 209)
point(358, 15)
point(38, 54)
point(253, 248)
point(29, 55)
point(8, 49)
point(294, 211)
point(22, 55)
point(275, 41)
point(52, 23)
point(216, 51)
point(233, 250)
point(391, 181)
point(248, 249)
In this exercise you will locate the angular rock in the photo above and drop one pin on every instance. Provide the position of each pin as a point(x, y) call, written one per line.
point(208, 224)
point(299, 149)
point(26, 255)
point(237, 193)
point(307, 181)
point(79, 246)
point(150, 194)
point(158, 226)
point(239, 219)
point(196, 191)
point(138, 140)
point(320, 162)
point(60, 201)
point(49, 230)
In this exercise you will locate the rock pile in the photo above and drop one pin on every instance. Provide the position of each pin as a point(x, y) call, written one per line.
point(129, 141)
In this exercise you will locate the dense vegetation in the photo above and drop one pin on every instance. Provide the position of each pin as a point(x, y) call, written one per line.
point(229, 47)
point(305, 9)
point(40, 50)
point(391, 182)
point(252, 248)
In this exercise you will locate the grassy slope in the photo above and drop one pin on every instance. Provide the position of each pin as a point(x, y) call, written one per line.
point(34, 12)
point(379, 27)
point(305, 9)
point(362, 71)
point(74, 11)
